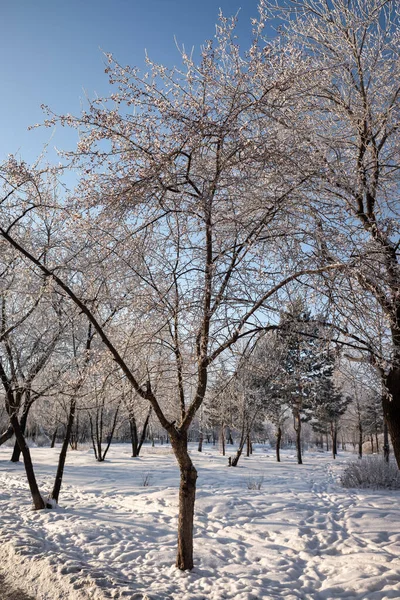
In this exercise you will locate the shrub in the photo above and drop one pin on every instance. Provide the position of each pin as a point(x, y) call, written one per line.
point(255, 483)
point(42, 441)
point(371, 472)
point(146, 479)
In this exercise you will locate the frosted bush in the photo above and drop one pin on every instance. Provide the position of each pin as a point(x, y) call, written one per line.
point(255, 483)
point(10, 443)
point(146, 479)
point(42, 441)
point(85, 447)
point(371, 472)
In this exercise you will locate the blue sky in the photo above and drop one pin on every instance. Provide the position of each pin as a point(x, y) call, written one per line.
point(51, 53)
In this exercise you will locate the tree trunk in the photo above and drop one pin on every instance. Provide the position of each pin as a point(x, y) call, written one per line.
point(297, 428)
point(53, 438)
point(248, 451)
point(22, 424)
point(63, 454)
point(187, 496)
point(200, 446)
point(99, 433)
point(243, 436)
point(386, 447)
point(230, 439)
point(74, 434)
point(235, 459)
point(391, 410)
point(92, 436)
point(134, 436)
point(278, 443)
point(144, 431)
point(38, 501)
point(360, 439)
point(111, 434)
point(223, 438)
point(334, 439)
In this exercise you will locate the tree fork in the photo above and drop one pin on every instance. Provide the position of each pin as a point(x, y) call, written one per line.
point(23, 422)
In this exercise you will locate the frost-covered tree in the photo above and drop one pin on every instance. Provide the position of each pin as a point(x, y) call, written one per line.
point(351, 108)
point(303, 355)
point(31, 328)
point(219, 405)
point(264, 376)
point(191, 191)
point(328, 404)
point(360, 384)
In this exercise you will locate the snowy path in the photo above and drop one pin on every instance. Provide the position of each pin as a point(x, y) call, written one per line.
point(300, 537)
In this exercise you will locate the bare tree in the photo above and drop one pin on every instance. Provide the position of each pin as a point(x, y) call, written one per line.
point(190, 200)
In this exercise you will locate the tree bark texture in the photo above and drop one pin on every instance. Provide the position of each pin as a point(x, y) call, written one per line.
point(53, 438)
point(134, 436)
point(38, 501)
point(386, 447)
point(63, 454)
point(360, 440)
point(391, 410)
point(22, 424)
point(223, 439)
point(278, 444)
point(297, 428)
point(334, 439)
point(187, 496)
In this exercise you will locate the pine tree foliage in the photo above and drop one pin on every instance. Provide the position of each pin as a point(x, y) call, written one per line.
point(328, 404)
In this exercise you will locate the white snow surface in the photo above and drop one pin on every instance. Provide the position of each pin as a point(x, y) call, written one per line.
point(301, 536)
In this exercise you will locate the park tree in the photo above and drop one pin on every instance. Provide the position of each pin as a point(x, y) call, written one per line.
point(138, 413)
point(219, 404)
point(351, 108)
point(189, 198)
point(32, 326)
point(247, 398)
point(303, 357)
point(328, 403)
point(264, 375)
point(105, 400)
point(359, 383)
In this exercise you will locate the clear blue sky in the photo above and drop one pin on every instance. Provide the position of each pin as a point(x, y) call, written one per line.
point(51, 53)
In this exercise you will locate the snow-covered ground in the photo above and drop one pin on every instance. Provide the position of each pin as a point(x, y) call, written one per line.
point(301, 536)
